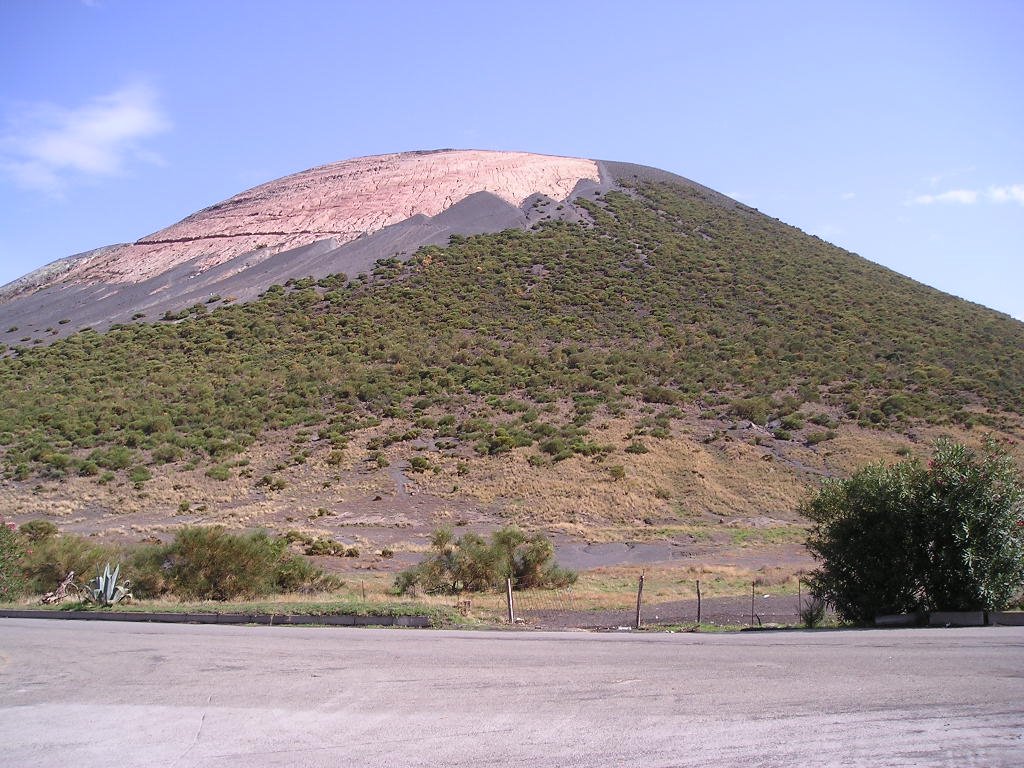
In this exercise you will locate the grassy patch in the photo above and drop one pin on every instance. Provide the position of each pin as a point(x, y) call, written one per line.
point(775, 535)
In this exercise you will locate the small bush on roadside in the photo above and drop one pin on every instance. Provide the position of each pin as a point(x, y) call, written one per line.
point(812, 613)
point(53, 557)
point(12, 550)
point(472, 564)
point(212, 564)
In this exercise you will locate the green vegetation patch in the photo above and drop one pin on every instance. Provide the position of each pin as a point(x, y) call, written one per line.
point(666, 297)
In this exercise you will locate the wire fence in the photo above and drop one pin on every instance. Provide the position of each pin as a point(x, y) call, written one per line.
point(661, 604)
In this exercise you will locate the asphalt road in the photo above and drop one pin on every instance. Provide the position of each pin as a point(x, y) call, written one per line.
point(79, 694)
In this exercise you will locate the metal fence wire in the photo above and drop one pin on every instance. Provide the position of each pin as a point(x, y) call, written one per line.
point(660, 604)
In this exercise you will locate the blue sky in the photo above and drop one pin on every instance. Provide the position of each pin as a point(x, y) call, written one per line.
point(895, 129)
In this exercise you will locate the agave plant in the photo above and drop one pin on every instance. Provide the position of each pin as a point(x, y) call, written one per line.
point(104, 589)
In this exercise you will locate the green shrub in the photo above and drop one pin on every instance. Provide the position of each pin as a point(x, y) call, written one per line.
point(792, 422)
point(219, 472)
point(117, 457)
point(901, 538)
point(212, 564)
point(322, 546)
point(166, 454)
point(753, 409)
point(863, 535)
point(53, 557)
point(37, 530)
point(272, 483)
point(971, 518)
point(812, 613)
point(661, 395)
point(419, 464)
point(472, 564)
point(12, 551)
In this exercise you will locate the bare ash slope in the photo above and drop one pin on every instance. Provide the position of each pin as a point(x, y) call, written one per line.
point(335, 218)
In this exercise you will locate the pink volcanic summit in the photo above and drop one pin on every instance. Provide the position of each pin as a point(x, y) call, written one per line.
point(340, 202)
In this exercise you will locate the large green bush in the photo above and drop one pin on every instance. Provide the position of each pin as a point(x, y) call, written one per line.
point(52, 558)
point(864, 537)
point(213, 564)
point(972, 523)
point(894, 539)
point(473, 564)
point(201, 563)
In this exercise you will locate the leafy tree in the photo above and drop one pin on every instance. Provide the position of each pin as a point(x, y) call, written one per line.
point(906, 537)
point(971, 516)
point(863, 535)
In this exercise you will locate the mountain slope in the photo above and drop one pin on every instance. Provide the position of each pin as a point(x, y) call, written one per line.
point(719, 359)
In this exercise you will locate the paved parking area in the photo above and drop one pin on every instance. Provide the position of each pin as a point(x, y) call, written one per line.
point(89, 694)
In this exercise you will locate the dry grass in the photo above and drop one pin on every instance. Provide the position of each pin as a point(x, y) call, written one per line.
point(729, 485)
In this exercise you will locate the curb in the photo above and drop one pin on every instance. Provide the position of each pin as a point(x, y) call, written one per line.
point(268, 619)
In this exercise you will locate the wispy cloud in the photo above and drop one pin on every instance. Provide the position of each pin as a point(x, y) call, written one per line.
point(1012, 193)
point(847, 195)
point(961, 196)
point(46, 147)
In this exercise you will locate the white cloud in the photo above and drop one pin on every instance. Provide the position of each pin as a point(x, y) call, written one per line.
point(848, 195)
point(1011, 193)
point(961, 196)
point(1014, 193)
point(47, 146)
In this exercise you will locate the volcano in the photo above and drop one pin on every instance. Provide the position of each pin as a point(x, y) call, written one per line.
point(379, 346)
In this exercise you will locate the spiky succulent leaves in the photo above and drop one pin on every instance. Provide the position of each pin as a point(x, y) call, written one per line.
point(104, 589)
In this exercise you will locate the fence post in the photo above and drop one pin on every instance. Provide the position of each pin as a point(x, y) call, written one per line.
point(799, 596)
point(639, 598)
point(698, 602)
point(511, 605)
point(751, 603)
